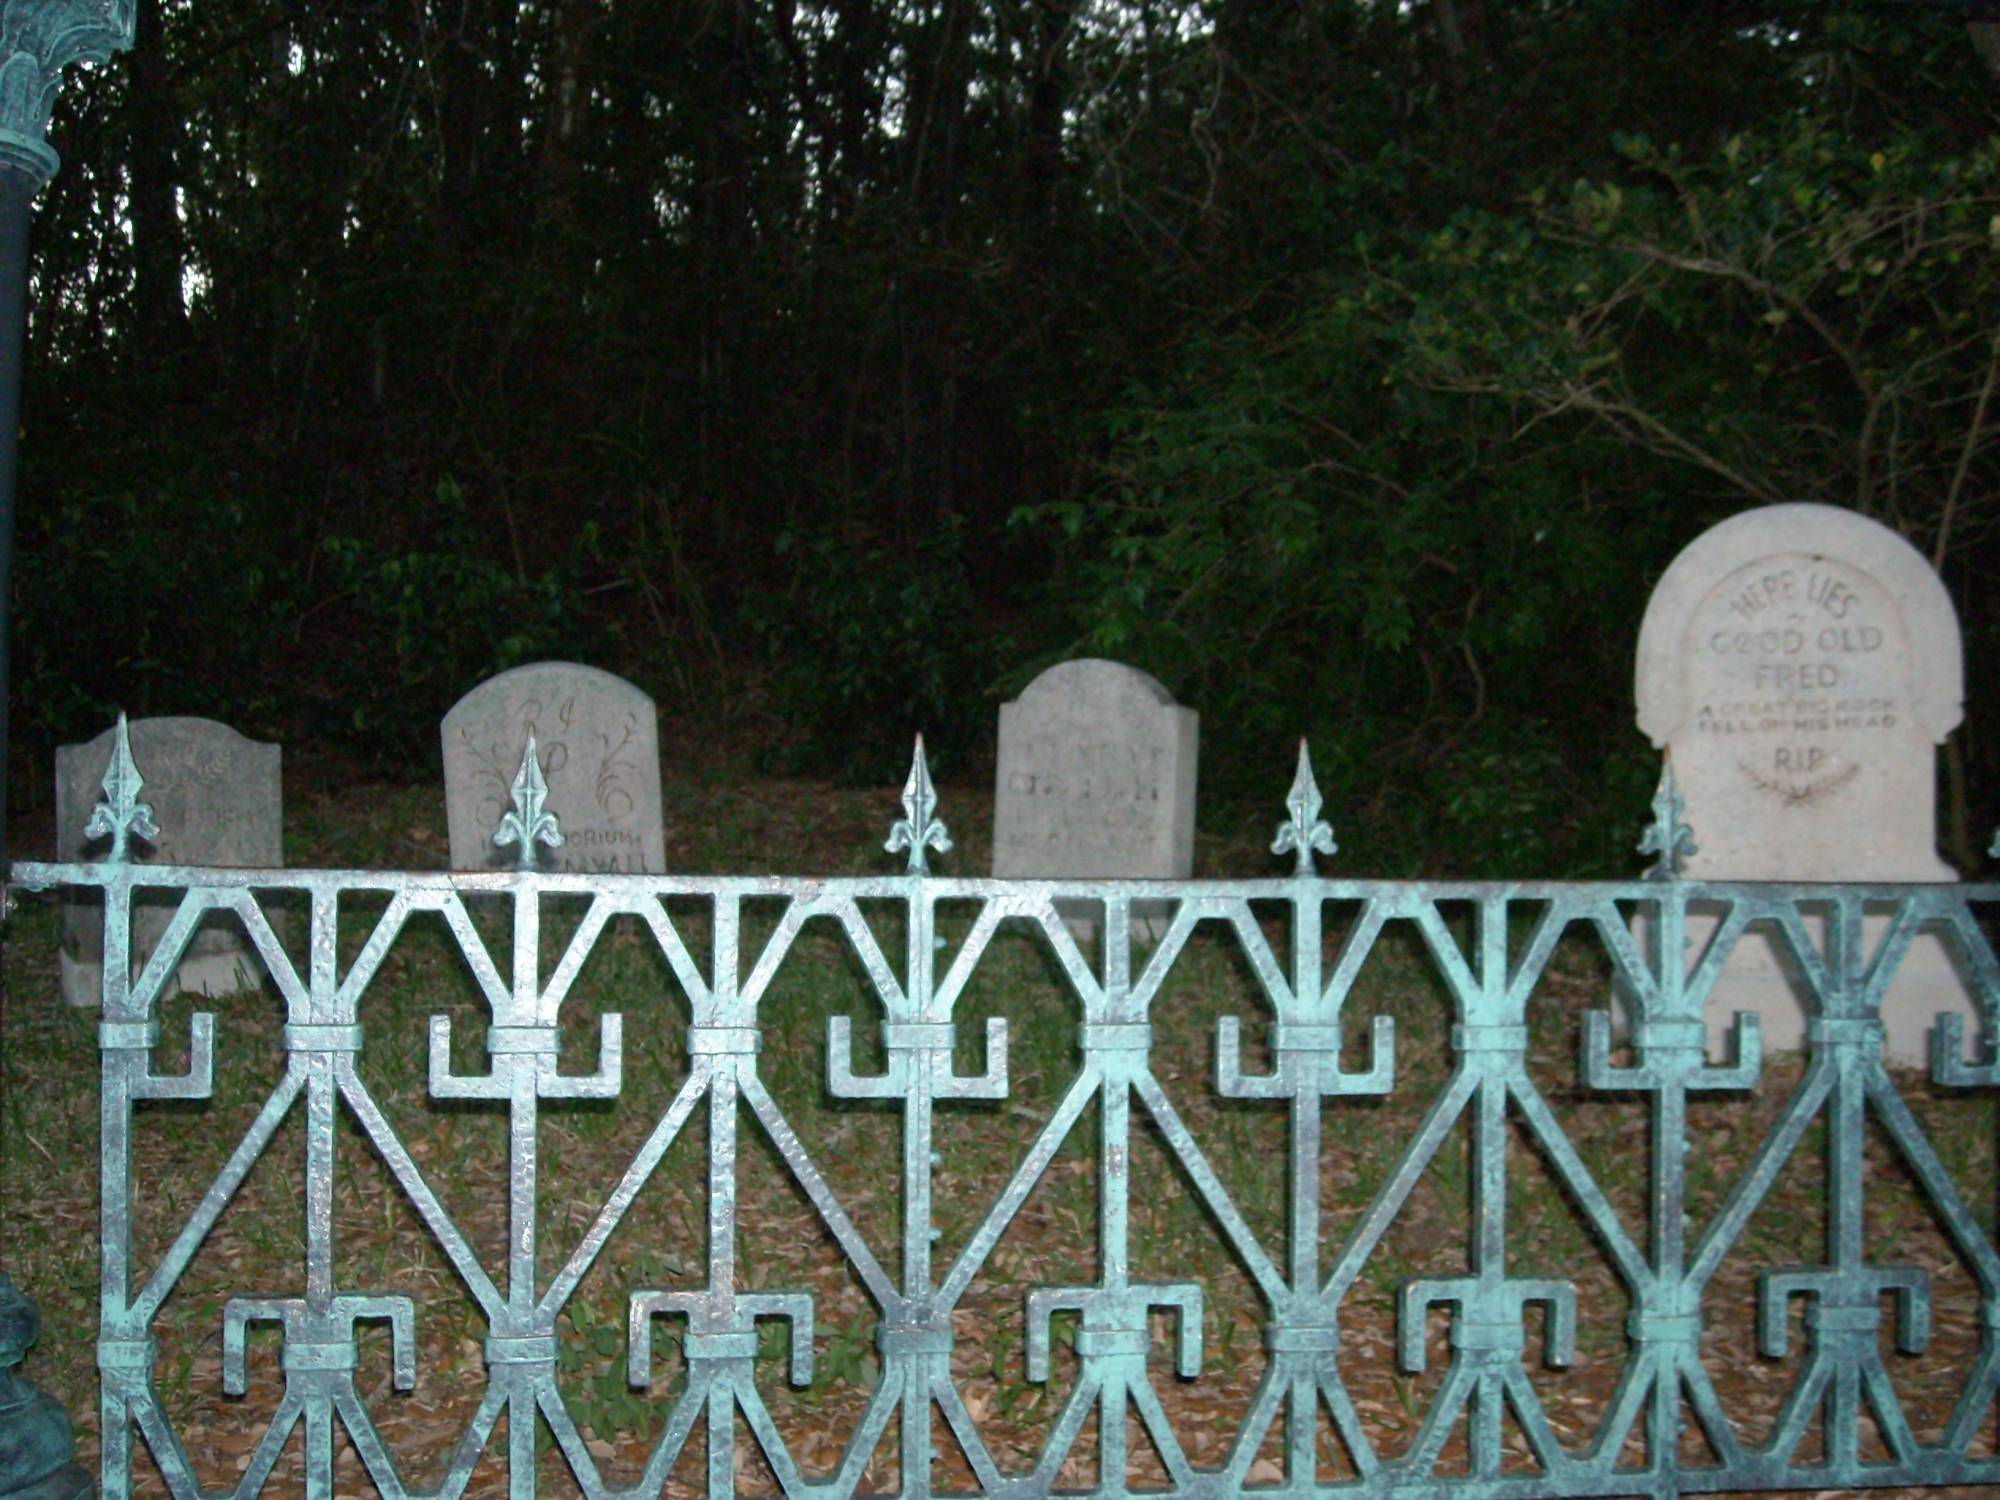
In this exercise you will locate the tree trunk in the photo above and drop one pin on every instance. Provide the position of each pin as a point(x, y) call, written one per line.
point(558, 166)
point(159, 248)
point(1986, 42)
point(1048, 98)
point(929, 323)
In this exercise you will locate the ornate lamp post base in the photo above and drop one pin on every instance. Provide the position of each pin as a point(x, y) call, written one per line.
point(37, 1447)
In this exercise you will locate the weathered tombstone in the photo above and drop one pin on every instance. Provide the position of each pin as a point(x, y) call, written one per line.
point(1096, 780)
point(599, 742)
point(1799, 663)
point(217, 799)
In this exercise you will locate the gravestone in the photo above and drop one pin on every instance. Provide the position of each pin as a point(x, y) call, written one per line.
point(598, 740)
point(217, 798)
point(1096, 780)
point(1799, 664)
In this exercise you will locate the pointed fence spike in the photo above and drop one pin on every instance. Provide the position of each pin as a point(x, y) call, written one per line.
point(528, 822)
point(1307, 833)
point(120, 815)
point(919, 828)
point(1668, 836)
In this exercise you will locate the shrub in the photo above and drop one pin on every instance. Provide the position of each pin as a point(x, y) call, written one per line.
point(871, 644)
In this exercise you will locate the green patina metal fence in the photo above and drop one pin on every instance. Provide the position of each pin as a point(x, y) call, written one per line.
point(1666, 1270)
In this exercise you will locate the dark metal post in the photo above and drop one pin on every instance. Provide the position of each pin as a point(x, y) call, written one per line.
point(36, 1443)
point(17, 195)
point(38, 39)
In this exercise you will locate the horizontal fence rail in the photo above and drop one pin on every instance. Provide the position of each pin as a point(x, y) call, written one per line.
point(1121, 1361)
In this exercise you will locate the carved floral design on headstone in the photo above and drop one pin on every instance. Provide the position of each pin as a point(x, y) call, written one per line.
point(598, 754)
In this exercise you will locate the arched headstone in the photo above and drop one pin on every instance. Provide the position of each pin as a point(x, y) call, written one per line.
point(1800, 664)
point(598, 740)
point(1096, 780)
point(217, 799)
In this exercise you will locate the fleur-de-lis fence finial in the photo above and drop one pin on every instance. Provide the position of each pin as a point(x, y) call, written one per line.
point(120, 815)
point(1668, 836)
point(529, 822)
point(919, 828)
point(1307, 833)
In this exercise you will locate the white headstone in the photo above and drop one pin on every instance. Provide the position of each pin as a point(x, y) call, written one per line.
point(217, 799)
point(1799, 664)
point(598, 740)
point(1096, 779)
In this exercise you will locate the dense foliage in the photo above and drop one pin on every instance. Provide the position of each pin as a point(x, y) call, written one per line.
point(1352, 365)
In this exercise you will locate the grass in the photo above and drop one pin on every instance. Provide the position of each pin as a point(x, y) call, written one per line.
point(745, 827)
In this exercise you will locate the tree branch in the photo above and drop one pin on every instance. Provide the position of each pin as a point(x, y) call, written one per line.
point(1730, 271)
point(1663, 439)
point(1965, 452)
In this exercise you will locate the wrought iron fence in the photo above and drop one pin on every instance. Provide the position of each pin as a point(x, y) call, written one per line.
point(1842, 1388)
